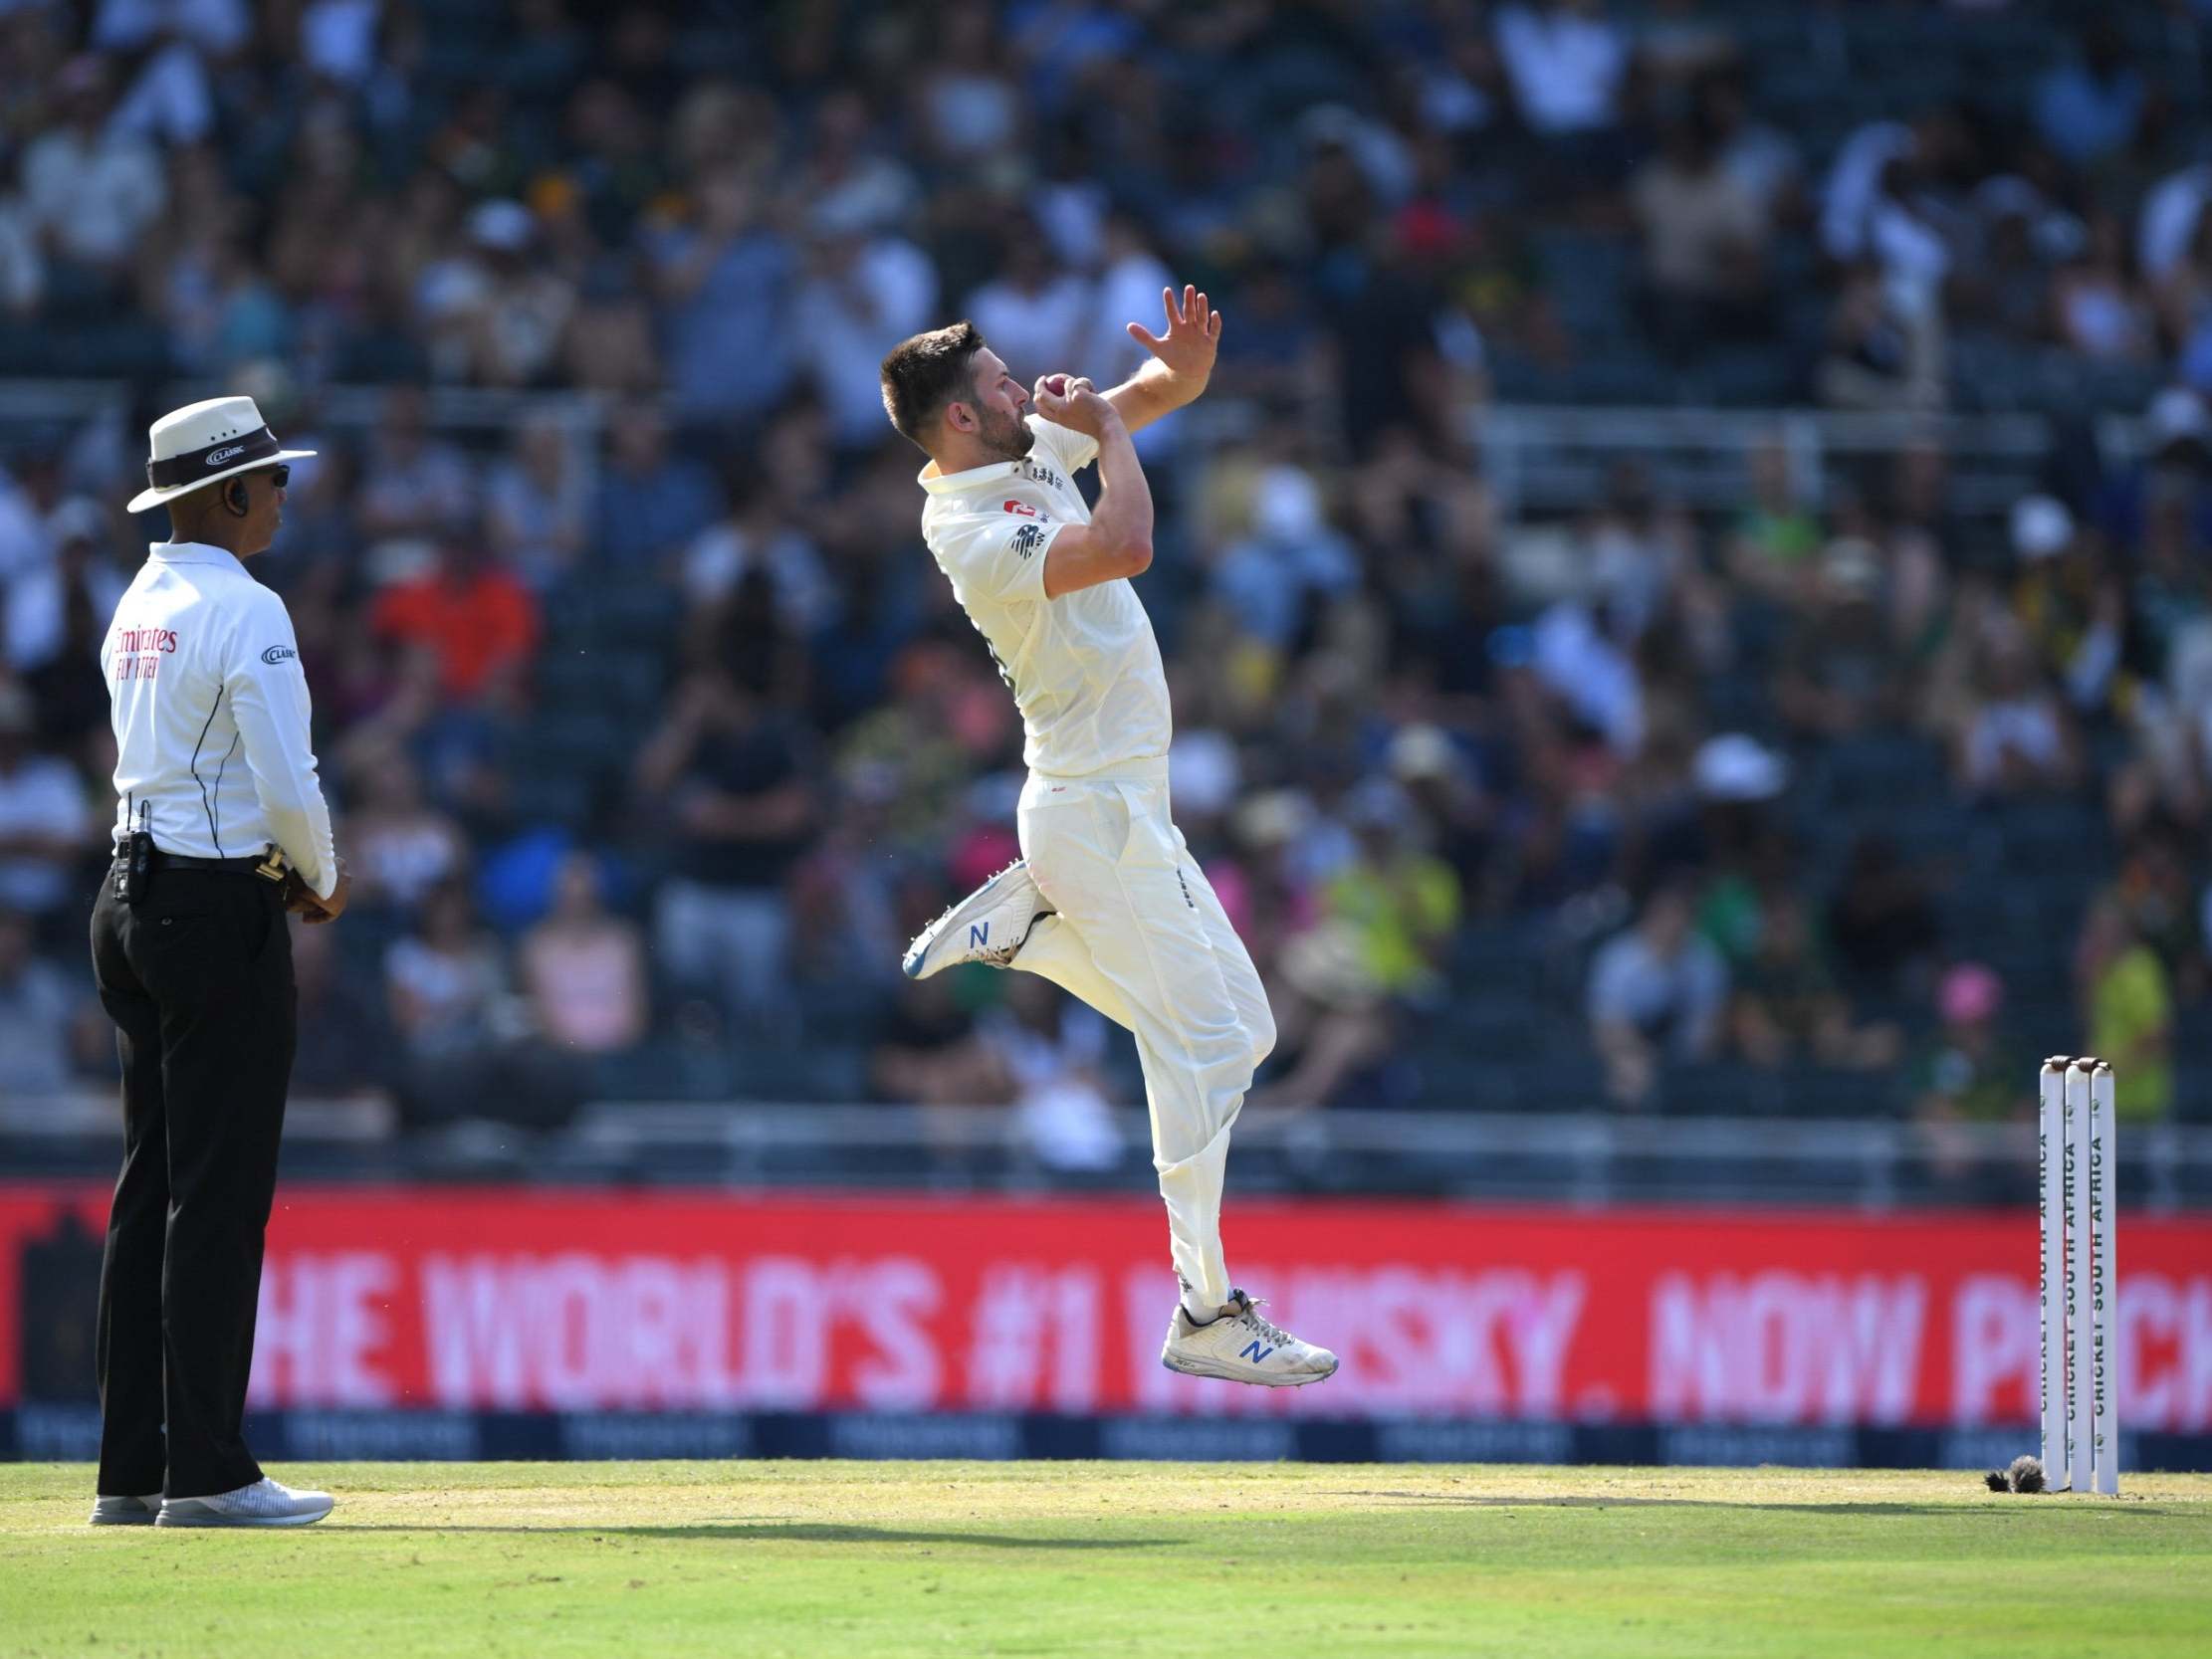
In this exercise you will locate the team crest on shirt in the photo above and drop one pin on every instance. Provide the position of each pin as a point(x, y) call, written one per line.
point(1023, 508)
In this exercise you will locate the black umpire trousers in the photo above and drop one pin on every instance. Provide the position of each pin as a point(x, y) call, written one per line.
point(198, 977)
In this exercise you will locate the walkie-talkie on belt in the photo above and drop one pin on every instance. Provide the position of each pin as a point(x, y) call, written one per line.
point(136, 873)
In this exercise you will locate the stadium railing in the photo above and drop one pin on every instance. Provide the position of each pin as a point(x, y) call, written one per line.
point(1575, 1157)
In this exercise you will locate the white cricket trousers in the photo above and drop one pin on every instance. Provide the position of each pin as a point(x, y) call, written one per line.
point(1141, 937)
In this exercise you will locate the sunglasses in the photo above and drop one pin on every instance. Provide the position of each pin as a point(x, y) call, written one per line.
point(278, 474)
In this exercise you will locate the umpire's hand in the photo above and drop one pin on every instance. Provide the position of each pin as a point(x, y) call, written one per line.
point(299, 897)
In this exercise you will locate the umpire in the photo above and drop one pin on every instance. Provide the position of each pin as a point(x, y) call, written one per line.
point(221, 828)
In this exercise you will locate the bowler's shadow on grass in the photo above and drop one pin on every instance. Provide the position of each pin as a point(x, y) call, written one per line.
point(771, 1531)
point(1455, 1499)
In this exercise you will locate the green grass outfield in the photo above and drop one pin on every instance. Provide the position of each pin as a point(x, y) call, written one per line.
point(750, 1560)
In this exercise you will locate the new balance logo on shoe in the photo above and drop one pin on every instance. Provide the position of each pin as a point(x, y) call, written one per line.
point(1241, 1345)
point(979, 935)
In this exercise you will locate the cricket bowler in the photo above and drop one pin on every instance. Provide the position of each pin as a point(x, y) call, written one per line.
point(1106, 901)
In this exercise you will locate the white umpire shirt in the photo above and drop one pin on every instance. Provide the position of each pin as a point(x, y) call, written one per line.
point(1085, 668)
point(211, 716)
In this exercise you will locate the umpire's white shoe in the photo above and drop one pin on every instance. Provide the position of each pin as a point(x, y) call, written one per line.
point(125, 1512)
point(988, 925)
point(1241, 1346)
point(263, 1503)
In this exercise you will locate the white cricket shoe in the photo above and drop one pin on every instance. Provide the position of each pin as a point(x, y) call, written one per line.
point(1241, 1346)
point(988, 925)
point(263, 1503)
point(126, 1510)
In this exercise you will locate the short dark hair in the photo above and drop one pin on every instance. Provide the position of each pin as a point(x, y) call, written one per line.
point(923, 374)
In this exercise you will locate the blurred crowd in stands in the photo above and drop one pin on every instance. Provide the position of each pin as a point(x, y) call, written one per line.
point(655, 733)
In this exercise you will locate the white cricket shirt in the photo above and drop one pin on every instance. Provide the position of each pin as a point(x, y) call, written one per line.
point(1085, 669)
point(210, 711)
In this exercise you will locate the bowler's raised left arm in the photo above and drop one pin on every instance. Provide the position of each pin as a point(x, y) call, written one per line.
point(1182, 360)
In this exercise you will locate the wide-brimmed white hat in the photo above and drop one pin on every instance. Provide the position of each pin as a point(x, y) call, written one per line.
point(201, 443)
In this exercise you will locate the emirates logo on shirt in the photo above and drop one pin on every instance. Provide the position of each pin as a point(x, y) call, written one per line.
point(1021, 508)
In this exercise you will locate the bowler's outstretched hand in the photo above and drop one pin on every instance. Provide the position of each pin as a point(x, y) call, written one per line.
point(1194, 334)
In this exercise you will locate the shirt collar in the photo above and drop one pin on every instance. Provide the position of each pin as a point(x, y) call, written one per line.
point(193, 552)
point(954, 483)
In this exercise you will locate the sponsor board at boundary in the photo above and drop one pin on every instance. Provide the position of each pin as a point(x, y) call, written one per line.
point(816, 1325)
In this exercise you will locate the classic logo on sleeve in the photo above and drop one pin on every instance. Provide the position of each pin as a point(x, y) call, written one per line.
point(280, 654)
point(1028, 539)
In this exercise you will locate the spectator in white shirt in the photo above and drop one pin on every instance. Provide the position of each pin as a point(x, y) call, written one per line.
point(1657, 991)
point(865, 290)
point(1566, 64)
point(38, 598)
point(93, 191)
point(1036, 313)
point(759, 533)
point(1051, 1049)
point(1131, 278)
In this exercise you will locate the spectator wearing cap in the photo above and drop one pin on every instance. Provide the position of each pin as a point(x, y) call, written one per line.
point(497, 313)
point(2074, 612)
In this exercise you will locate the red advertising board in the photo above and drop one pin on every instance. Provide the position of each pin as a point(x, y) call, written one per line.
point(497, 1298)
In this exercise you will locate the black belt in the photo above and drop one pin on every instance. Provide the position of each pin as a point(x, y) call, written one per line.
point(227, 866)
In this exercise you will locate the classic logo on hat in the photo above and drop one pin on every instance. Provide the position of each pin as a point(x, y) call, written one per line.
point(197, 445)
